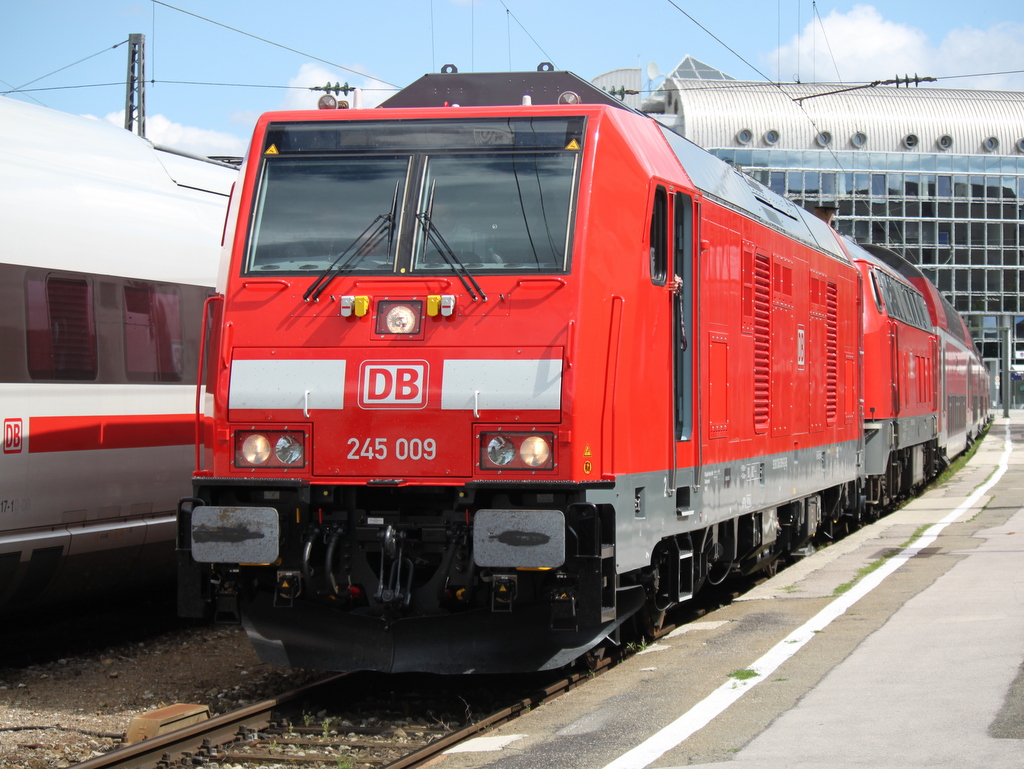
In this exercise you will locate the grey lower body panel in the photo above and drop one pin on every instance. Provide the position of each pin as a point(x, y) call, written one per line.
point(884, 436)
point(648, 510)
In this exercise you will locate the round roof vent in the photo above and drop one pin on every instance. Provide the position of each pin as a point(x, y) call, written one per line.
point(824, 138)
point(771, 136)
point(1020, 145)
point(945, 142)
point(745, 136)
point(991, 144)
point(910, 141)
point(859, 139)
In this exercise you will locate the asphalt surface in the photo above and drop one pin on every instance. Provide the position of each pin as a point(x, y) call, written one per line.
point(871, 652)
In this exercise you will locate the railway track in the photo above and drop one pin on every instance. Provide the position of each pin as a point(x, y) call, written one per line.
point(283, 731)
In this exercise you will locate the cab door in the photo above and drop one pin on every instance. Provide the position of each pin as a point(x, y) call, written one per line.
point(686, 450)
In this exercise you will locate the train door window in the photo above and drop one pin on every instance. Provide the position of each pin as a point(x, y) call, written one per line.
point(61, 329)
point(685, 333)
point(153, 345)
point(659, 237)
point(876, 292)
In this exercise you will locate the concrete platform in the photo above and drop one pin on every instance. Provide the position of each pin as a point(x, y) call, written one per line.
point(869, 653)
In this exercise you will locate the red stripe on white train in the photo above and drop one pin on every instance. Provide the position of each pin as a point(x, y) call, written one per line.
point(89, 433)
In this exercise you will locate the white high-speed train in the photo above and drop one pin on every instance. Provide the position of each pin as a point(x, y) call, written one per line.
point(110, 247)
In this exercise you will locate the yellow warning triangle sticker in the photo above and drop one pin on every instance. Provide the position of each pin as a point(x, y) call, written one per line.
point(586, 451)
point(272, 150)
point(573, 145)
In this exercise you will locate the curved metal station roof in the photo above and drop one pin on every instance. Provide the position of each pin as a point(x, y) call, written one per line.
point(720, 112)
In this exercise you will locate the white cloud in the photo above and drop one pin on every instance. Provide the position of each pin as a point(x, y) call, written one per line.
point(199, 141)
point(861, 45)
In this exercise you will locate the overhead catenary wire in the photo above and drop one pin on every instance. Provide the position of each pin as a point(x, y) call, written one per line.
point(271, 42)
point(718, 40)
point(547, 56)
point(120, 84)
point(828, 45)
point(24, 87)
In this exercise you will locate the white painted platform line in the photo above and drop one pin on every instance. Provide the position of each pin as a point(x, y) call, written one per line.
point(485, 744)
point(701, 714)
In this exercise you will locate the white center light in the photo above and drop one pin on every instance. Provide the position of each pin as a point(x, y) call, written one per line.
point(401, 320)
point(402, 317)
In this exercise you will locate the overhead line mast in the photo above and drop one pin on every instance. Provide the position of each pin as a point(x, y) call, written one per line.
point(135, 86)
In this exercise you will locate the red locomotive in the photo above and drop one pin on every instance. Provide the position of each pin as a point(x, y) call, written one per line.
point(485, 381)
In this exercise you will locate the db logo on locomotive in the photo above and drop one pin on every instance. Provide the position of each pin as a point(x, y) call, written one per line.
point(13, 436)
point(393, 384)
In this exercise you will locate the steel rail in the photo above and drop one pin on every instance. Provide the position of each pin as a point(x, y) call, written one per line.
point(219, 730)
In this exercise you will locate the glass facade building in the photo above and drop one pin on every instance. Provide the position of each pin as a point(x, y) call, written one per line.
point(960, 217)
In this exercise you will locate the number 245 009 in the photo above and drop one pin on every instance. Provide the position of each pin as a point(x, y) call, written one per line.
point(401, 449)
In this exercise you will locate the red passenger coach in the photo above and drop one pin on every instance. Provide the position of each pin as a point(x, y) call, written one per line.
point(901, 383)
point(483, 382)
point(962, 395)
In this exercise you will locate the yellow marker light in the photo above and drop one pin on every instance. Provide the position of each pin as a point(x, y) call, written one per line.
point(434, 305)
point(361, 306)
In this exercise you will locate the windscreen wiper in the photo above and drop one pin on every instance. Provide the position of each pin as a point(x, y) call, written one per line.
point(437, 240)
point(382, 225)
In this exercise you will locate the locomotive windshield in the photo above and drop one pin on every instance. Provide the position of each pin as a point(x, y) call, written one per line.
point(357, 196)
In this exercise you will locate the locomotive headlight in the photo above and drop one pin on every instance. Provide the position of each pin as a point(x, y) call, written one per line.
point(270, 449)
point(535, 451)
point(399, 317)
point(500, 450)
point(256, 449)
point(400, 320)
point(288, 450)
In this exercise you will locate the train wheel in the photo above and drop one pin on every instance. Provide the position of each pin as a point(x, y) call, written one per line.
point(651, 619)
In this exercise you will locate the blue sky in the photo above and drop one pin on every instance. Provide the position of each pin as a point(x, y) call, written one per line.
point(383, 42)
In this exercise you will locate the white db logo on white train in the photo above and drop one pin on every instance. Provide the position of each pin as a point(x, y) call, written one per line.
point(13, 436)
point(393, 384)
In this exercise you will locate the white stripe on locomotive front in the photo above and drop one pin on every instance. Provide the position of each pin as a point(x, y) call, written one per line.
point(283, 384)
point(502, 384)
point(465, 384)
